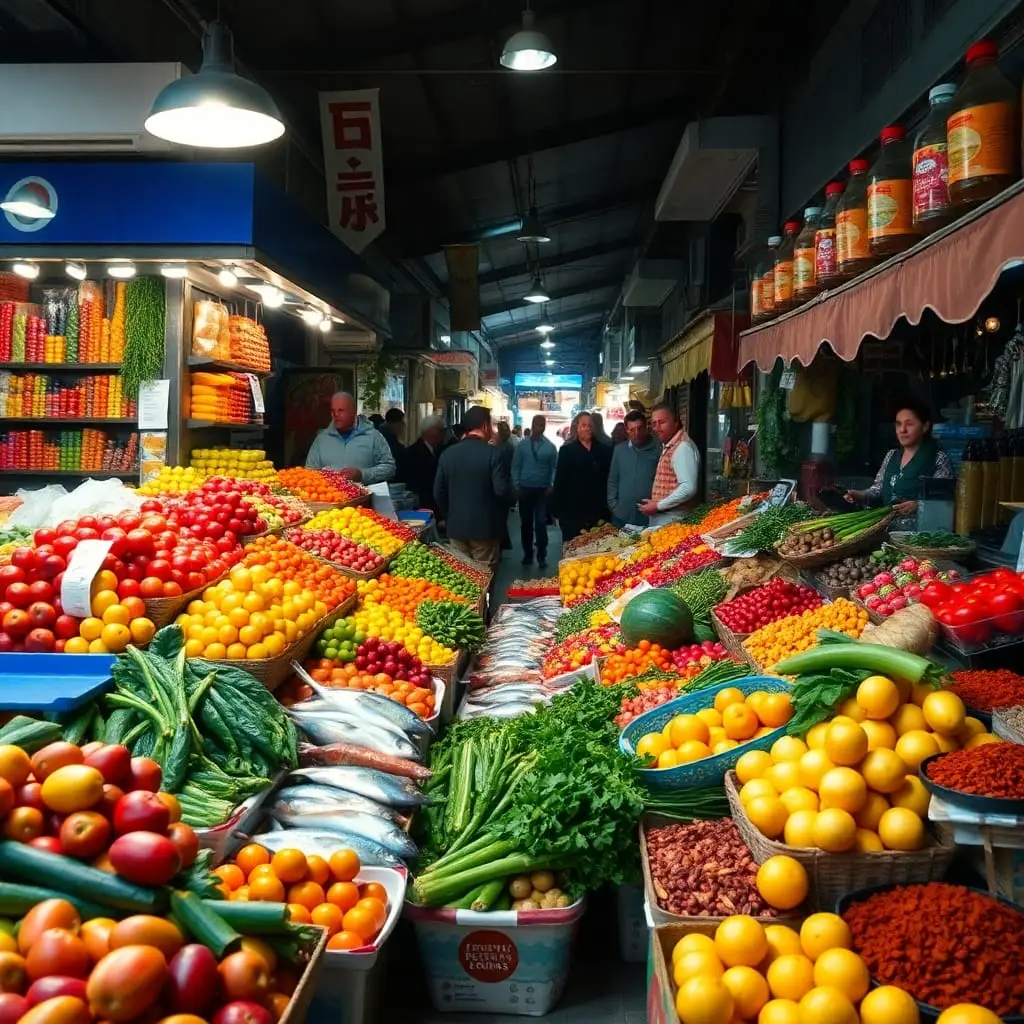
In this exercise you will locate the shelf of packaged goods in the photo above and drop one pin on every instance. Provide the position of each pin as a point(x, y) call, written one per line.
point(98, 474)
point(62, 367)
point(202, 363)
point(215, 425)
point(87, 420)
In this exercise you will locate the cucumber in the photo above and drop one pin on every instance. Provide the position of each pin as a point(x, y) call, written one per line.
point(202, 923)
point(16, 900)
point(255, 918)
point(76, 880)
point(29, 733)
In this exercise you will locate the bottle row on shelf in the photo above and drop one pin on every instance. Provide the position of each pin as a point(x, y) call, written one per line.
point(84, 450)
point(95, 396)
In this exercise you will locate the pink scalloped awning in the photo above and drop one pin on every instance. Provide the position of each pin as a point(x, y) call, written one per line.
point(950, 272)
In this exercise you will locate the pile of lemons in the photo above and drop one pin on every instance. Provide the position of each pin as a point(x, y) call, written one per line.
point(241, 463)
point(173, 480)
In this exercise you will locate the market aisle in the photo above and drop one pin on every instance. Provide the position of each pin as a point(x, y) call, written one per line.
point(511, 567)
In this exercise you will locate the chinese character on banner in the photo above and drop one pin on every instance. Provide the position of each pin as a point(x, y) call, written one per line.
point(350, 124)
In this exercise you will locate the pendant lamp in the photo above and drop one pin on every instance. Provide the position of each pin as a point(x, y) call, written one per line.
point(528, 49)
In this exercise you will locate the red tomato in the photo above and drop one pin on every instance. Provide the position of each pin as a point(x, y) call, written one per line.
point(244, 975)
point(126, 983)
point(143, 811)
point(193, 984)
point(152, 586)
point(57, 985)
point(145, 858)
point(145, 774)
point(243, 1012)
point(30, 795)
point(113, 760)
point(51, 844)
point(57, 951)
point(24, 824)
point(1006, 607)
point(12, 1007)
point(85, 834)
point(53, 756)
point(185, 839)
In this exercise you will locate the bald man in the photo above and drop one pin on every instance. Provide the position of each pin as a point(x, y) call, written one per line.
point(357, 449)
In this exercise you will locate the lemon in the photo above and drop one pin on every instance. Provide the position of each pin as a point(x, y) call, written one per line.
point(791, 976)
point(871, 813)
point(788, 748)
point(844, 970)
point(845, 744)
point(799, 798)
point(781, 940)
point(889, 1005)
point(769, 814)
point(756, 788)
point(799, 830)
point(901, 829)
point(816, 736)
point(852, 710)
point(694, 942)
point(867, 841)
point(697, 963)
point(782, 882)
point(823, 931)
point(826, 1006)
point(944, 712)
point(813, 765)
point(752, 765)
point(884, 770)
point(914, 746)
point(881, 735)
point(967, 1013)
point(779, 1011)
point(843, 788)
point(878, 697)
point(784, 775)
point(834, 830)
point(912, 795)
point(907, 718)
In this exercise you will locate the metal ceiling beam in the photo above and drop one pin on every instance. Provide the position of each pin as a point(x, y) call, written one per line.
point(557, 137)
point(567, 316)
point(583, 288)
point(587, 252)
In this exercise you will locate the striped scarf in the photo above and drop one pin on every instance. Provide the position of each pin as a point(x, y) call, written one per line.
point(664, 477)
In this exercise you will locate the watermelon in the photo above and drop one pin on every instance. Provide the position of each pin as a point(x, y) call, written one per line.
point(658, 616)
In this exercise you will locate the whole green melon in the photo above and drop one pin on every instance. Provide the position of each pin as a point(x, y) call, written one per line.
point(659, 617)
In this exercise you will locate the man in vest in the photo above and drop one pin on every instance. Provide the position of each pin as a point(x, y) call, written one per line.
point(677, 477)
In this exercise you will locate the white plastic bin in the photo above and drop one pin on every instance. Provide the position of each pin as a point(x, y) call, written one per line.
point(348, 986)
point(633, 938)
point(514, 962)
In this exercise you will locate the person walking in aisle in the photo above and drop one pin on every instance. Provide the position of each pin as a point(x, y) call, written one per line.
point(678, 474)
point(533, 474)
point(631, 477)
point(352, 446)
point(580, 498)
point(471, 490)
point(506, 449)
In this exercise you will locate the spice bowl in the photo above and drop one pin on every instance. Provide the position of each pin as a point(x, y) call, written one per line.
point(969, 801)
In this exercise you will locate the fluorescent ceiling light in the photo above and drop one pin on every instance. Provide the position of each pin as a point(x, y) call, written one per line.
point(215, 108)
point(326, 324)
point(625, 378)
point(27, 270)
point(639, 368)
point(544, 328)
point(175, 271)
point(528, 49)
point(311, 316)
point(227, 278)
point(77, 271)
point(537, 292)
point(121, 270)
point(25, 203)
point(549, 362)
point(533, 230)
point(547, 344)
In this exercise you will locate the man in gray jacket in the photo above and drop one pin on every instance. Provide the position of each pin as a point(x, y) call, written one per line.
point(354, 447)
point(631, 476)
point(533, 474)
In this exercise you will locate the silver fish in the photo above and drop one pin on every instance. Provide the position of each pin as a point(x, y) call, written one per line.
point(374, 703)
point(350, 714)
point(324, 843)
point(368, 782)
point(323, 729)
point(310, 799)
point(389, 835)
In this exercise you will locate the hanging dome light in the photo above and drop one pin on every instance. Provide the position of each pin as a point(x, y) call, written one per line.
point(537, 292)
point(215, 108)
point(533, 230)
point(528, 49)
point(544, 328)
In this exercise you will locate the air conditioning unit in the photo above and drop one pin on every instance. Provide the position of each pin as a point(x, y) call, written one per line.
point(66, 109)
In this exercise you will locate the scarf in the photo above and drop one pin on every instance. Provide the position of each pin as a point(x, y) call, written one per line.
point(899, 483)
point(664, 476)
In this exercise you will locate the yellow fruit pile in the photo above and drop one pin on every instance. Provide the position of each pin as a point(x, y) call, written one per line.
point(670, 535)
point(241, 463)
point(779, 640)
point(172, 480)
point(580, 576)
point(732, 721)
point(387, 624)
point(358, 524)
point(775, 975)
point(852, 784)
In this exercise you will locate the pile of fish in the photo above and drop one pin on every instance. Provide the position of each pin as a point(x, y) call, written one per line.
point(518, 639)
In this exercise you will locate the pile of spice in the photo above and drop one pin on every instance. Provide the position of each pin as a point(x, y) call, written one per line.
point(944, 944)
point(985, 689)
point(993, 769)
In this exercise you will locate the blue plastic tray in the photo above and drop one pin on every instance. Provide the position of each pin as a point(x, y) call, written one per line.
point(52, 682)
point(710, 771)
point(418, 514)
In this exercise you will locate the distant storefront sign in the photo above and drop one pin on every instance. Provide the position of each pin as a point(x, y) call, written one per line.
point(549, 381)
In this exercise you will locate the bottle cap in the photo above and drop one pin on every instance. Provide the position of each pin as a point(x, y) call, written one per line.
point(938, 93)
point(791, 225)
point(775, 240)
point(983, 50)
point(894, 133)
point(859, 166)
point(811, 211)
point(833, 188)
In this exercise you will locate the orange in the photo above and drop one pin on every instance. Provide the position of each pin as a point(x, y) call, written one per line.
point(788, 748)
point(827, 1006)
point(77, 645)
point(768, 814)
point(878, 697)
point(308, 894)
point(135, 605)
point(726, 697)
point(844, 970)
point(944, 712)
point(888, 1004)
point(696, 962)
point(782, 881)
point(328, 916)
point(230, 874)
point(834, 830)
point(376, 908)
point(299, 914)
point(143, 630)
point(843, 788)
point(266, 887)
point(968, 1013)
point(289, 865)
point(748, 989)
point(359, 920)
point(791, 976)
point(104, 580)
point(687, 727)
point(813, 766)
point(912, 795)
point(880, 735)
point(739, 721)
point(116, 638)
point(782, 940)
point(883, 770)
point(752, 765)
point(779, 1011)
point(91, 628)
point(251, 856)
point(824, 931)
point(103, 600)
point(703, 1000)
point(262, 949)
point(900, 828)
point(317, 869)
point(345, 940)
point(344, 865)
point(117, 614)
point(776, 709)
point(740, 941)
point(344, 895)
point(914, 746)
point(15, 765)
point(693, 942)
point(845, 744)
point(870, 814)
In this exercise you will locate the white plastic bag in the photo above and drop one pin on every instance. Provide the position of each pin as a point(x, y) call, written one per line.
point(96, 498)
point(35, 507)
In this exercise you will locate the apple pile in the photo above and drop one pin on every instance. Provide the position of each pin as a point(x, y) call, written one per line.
point(895, 588)
point(337, 549)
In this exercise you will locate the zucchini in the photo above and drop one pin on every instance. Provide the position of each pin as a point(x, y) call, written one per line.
point(255, 918)
point(16, 900)
point(29, 733)
point(202, 923)
point(78, 880)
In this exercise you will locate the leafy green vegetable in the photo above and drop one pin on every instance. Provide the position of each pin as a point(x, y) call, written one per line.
point(451, 623)
point(776, 433)
point(767, 528)
point(700, 591)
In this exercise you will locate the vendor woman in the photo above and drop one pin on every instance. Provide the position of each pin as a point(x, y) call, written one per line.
point(917, 456)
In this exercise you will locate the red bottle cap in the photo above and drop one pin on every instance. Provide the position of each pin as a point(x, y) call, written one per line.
point(791, 225)
point(859, 166)
point(894, 133)
point(833, 188)
point(983, 50)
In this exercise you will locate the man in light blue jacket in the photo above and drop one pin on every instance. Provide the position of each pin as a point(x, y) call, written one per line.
point(631, 476)
point(354, 447)
point(533, 473)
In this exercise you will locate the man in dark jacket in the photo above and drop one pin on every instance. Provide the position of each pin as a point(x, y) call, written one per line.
point(580, 497)
point(631, 476)
point(533, 473)
point(421, 461)
point(392, 428)
point(472, 490)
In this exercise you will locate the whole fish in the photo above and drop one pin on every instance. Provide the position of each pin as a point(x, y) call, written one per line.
point(375, 785)
point(377, 830)
point(324, 843)
point(323, 729)
point(350, 714)
point(310, 799)
point(373, 703)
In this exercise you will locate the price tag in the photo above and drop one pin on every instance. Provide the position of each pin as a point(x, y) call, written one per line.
point(257, 394)
point(618, 606)
point(788, 380)
point(76, 587)
point(382, 502)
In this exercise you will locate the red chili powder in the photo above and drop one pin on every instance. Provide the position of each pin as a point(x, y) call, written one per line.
point(944, 944)
point(986, 689)
point(994, 769)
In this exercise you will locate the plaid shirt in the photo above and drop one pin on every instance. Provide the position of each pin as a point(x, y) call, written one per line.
point(664, 477)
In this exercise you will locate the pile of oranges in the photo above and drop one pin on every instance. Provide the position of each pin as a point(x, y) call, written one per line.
point(115, 622)
point(271, 599)
point(364, 526)
point(619, 667)
point(403, 594)
point(318, 891)
point(580, 576)
point(311, 485)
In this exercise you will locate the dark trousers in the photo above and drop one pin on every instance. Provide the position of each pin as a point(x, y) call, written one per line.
point(533, 516)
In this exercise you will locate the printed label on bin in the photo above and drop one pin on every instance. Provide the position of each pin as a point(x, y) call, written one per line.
point(488, 956)
point(257, 394)
point(76, 587)
point(618, 606)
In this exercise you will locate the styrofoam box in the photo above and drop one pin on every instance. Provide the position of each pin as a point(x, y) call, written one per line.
point(633, 937)
point(347, 988)
point(514, 962)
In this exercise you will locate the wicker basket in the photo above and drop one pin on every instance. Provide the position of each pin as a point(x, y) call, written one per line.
point(298, 1006)
point(452, 671)
point(162, 611)
point(732, 642)
point(964, 550)
point(864, 542)
point(833, 875)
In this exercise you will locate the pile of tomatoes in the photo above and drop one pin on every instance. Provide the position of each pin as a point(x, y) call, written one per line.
point(988, 609)
point(777, 599)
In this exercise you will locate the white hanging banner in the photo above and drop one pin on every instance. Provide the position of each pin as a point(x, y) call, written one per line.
point(353, 165)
